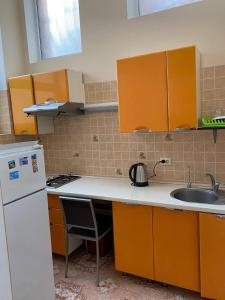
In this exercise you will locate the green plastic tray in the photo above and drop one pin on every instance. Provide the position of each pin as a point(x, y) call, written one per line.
point(206, 122)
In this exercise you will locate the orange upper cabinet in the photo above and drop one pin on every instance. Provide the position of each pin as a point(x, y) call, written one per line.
point(22, 95)
point(60, 86)
point(183, 88)
point(25, 91)
point(176, 248)
point(212, 249)
point(159, 91)
point(142, 91)
point(133, 239)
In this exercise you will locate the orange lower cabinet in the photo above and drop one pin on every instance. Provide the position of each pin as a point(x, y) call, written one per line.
point(176, 248)
point(56, 216)
point(133, 240)
point(58, 239)
point(212, 255)
point(54, 201)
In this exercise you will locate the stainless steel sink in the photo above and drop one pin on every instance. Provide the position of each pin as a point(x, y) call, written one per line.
point(199, 196)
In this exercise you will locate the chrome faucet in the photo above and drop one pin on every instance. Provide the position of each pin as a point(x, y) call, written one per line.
point(189, 184)
point(215, 184)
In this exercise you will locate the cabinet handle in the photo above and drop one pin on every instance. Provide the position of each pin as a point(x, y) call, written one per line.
point(220, 217)
point(142, 130)
point(50, 100)
point(175, 209)
point(183, 128)
point(128, 203)
point(23, 132)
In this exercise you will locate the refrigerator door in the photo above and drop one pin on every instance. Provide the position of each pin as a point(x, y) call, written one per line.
point(21, 174)
point(5, 286)
point(29, 248)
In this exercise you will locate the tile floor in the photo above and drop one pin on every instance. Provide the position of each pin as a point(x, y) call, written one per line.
point(113, 286)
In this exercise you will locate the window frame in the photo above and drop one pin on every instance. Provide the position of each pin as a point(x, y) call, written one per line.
point(133, 8)
point(3, 80)
point(33, 33)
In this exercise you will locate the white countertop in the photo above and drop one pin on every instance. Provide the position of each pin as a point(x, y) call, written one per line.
point(120, 189)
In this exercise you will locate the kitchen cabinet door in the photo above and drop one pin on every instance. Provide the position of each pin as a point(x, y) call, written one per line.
point(133, 240)
point(54, 202)
point(212, 250)
point(51, 86)
point(57, 227)
point(183, 88)
point(56, 216)
point(176, 248)
point(22, 95)
point(142, 91)
point(58, 239)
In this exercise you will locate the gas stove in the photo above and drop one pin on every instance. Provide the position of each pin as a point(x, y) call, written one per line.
point(58, 181)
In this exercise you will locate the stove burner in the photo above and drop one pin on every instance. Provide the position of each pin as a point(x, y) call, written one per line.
point(60, 180)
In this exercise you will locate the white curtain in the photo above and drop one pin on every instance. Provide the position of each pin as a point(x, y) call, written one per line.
point(59, 27)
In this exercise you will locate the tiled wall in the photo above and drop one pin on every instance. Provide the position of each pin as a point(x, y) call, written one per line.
point(92, 144)
point(7, 139)
point(100, 92)
point(213, 91)
point(5, 124)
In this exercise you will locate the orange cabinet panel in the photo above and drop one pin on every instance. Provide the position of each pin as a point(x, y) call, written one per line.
point(56, 216)
point(56, 225)
point(58, 239)
point(183, 99)
point(212, 251)
point(51, 86)
point(22, 95)
point(142, 91)
point(54, 201)
point(133, 240)
point(176, 248)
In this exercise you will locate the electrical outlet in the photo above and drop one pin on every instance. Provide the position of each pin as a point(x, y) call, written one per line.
point(167, 161)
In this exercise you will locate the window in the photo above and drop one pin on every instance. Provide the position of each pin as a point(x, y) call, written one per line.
point(3, 85)
point(53, 28)
point(144, 7)
point(59, 27)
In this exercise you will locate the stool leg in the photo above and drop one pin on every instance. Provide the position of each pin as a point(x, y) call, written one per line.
point(67, 255)
point(97, 262)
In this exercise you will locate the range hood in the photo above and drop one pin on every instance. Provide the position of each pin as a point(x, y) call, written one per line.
point(54, 108)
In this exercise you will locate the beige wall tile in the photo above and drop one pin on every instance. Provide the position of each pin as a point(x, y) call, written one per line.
point(5, 122)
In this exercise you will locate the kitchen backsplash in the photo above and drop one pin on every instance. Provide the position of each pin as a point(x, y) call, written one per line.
point(92, 145)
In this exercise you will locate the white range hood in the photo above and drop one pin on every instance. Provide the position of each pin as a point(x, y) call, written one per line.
point(54, 108)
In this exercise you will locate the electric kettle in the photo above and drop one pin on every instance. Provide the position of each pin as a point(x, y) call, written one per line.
point(138, 175)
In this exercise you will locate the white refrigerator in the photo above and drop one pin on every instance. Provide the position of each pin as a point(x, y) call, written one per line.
point(26, 269)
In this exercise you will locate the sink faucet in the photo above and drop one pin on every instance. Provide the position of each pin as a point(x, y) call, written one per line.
point(215, 185)
point(189, 184)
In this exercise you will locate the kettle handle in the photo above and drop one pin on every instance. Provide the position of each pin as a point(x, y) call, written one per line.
point(130, 172)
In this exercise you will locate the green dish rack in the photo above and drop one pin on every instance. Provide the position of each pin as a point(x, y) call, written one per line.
point(207, 122)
